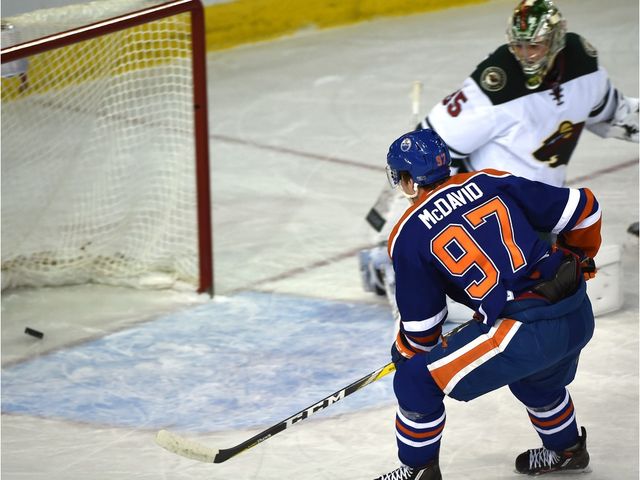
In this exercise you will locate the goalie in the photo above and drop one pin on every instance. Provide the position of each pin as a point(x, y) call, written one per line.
point(522, 110)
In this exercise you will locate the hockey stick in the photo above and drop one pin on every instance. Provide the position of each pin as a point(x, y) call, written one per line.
point(196, 451)
point(416, 93)
point(377, 216)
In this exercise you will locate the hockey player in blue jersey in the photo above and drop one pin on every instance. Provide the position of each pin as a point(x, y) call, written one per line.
point(473, 237)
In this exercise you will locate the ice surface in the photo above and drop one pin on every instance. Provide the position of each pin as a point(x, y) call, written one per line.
point(300, 128)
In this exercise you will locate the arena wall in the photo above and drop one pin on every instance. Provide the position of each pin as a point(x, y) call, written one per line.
point(233, 23)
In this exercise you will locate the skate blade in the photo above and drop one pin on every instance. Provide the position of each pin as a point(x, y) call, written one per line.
point(560, 474)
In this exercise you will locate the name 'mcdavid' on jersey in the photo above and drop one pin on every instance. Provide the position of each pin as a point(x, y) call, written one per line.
point(488, 251)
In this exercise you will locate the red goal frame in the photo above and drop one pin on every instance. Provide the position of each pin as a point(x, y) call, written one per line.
point(200, 109)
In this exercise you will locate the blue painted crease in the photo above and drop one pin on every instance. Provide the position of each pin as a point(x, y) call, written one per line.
point(244, 361)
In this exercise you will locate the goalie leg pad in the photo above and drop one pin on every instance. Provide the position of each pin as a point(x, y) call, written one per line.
point(373, 264)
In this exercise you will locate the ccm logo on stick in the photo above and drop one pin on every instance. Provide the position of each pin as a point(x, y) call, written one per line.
point(314, 408)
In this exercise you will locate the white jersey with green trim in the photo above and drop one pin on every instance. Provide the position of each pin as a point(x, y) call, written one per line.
point(494, 121)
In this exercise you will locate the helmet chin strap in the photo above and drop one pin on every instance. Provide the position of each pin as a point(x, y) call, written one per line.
point(413, 195)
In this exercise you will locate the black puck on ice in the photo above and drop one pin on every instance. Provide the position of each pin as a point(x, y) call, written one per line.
point(33, 333)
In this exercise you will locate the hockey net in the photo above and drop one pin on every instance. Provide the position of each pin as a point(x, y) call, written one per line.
point(105, 175)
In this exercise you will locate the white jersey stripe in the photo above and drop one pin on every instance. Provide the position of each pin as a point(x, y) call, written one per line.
point(417, 346)
point(569, 210)
point(469, 346)
point(553, 412)
point(426, 324)
point(417, 425)
point(471, 366)
point(590, 220)
point(558, 428)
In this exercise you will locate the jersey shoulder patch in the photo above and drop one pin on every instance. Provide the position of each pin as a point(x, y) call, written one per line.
point(500, 77)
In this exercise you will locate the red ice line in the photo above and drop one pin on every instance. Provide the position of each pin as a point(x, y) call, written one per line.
point(347, 254)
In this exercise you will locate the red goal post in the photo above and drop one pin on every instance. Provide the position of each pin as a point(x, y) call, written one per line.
point(105, 158)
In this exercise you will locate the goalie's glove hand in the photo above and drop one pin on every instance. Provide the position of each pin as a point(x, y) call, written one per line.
point(625, 119)
point(400, 350)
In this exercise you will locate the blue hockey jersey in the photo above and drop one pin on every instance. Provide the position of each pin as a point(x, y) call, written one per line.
point(474, 238)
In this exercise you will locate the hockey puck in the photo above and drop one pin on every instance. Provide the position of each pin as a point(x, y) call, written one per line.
point(33, 333)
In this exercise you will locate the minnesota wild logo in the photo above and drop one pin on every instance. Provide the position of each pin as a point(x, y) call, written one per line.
point(493, 79)
point(558, 147)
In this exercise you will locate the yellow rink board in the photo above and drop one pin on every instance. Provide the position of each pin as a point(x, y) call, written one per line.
point(227, 25)
point(244, 21)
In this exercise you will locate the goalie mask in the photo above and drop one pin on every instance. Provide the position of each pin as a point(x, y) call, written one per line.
point(536, 33)
point(423, 154)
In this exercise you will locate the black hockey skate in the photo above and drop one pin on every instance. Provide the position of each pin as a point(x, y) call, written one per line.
point(542, 460)
point(430, 472)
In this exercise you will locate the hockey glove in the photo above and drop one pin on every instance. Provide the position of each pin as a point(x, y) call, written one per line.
point(587, 264)
point(623, 124)
point(588, 267)
point(396, 356)
point(400, 350)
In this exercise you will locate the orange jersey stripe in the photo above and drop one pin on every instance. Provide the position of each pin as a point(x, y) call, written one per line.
point(589, 205)
point(444, 374)
point(405, 350)
point(428, 339)
point(409, 433)
point(587, 239)
point(551, 423)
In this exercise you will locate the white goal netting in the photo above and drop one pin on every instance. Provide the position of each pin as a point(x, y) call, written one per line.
point(98, 169)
